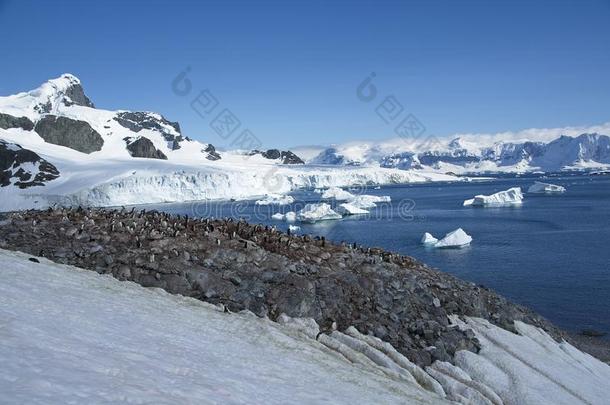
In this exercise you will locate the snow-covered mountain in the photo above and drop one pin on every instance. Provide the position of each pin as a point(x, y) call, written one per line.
point(57, 147)
point(463, 155)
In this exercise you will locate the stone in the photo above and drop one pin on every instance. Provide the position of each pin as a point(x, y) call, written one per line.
point(68, 132)
point(143, 147)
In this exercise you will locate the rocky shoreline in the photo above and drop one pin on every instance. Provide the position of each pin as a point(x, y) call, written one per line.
point(243, 266)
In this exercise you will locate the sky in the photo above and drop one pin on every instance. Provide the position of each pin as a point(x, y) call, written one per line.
point(290, 71)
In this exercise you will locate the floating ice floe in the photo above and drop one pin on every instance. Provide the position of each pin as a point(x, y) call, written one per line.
point(454, 239)
point(512, 196)
point(545, 188)
point(369, 201)
point(317, 212)
point(350, 209)
point(290, 216)
point(294, 228)
point(337, 194)
point(276, 199)
point(428, 239)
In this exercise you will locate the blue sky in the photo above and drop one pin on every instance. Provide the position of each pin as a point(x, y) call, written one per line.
point(289, 70)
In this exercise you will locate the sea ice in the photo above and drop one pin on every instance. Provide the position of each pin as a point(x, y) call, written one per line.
point(337, 194)
point(512, 196)
point(276, 199)
point(317, 212)
point(428, 239)
point(542, 188)
point(350, 209)
point(290, 216)
point(369, 201)
point(453, 239)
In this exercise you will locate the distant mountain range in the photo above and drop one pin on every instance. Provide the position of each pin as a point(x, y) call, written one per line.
point(581, 152)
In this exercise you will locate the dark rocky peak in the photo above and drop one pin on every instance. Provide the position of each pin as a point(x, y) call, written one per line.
point(66, 89)
point(286, 157)
point(74, 93)
point(23, 168)
point(210, 152)
point(74, 134)
point(139, 120)
point(142, 147)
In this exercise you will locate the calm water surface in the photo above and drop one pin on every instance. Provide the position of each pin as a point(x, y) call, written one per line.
point(551, 254)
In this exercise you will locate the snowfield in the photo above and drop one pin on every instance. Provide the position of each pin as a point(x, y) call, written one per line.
point(71, 335)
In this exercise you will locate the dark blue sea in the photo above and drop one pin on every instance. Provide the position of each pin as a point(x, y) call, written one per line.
point(551, 254)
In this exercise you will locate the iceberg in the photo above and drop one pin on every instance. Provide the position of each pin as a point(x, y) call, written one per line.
point(290, 216)
point(428, 239)
point(337, 194)
point(317, 212)
point(369, 201)
point(454, 239)
point(276, 199)
point(294, 228)
point(350, 209)
point(545, 188)
point(512, 196)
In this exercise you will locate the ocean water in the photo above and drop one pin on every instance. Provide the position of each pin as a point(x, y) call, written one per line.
point(551, 254)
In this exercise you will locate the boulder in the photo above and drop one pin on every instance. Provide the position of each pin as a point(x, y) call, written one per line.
point(74, 134)
point(143, 147)
point(8, 121)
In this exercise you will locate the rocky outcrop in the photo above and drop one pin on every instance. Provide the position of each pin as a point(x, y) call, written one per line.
point(74, 134)
point(210, 152)
point(285, 157)
point(23, 168)
point(8, 121)
point(143, 147)
point(75, 95)
point(138, 120)
point(243, 266)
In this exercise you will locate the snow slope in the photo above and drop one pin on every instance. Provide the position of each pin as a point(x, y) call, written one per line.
point(71, 335)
